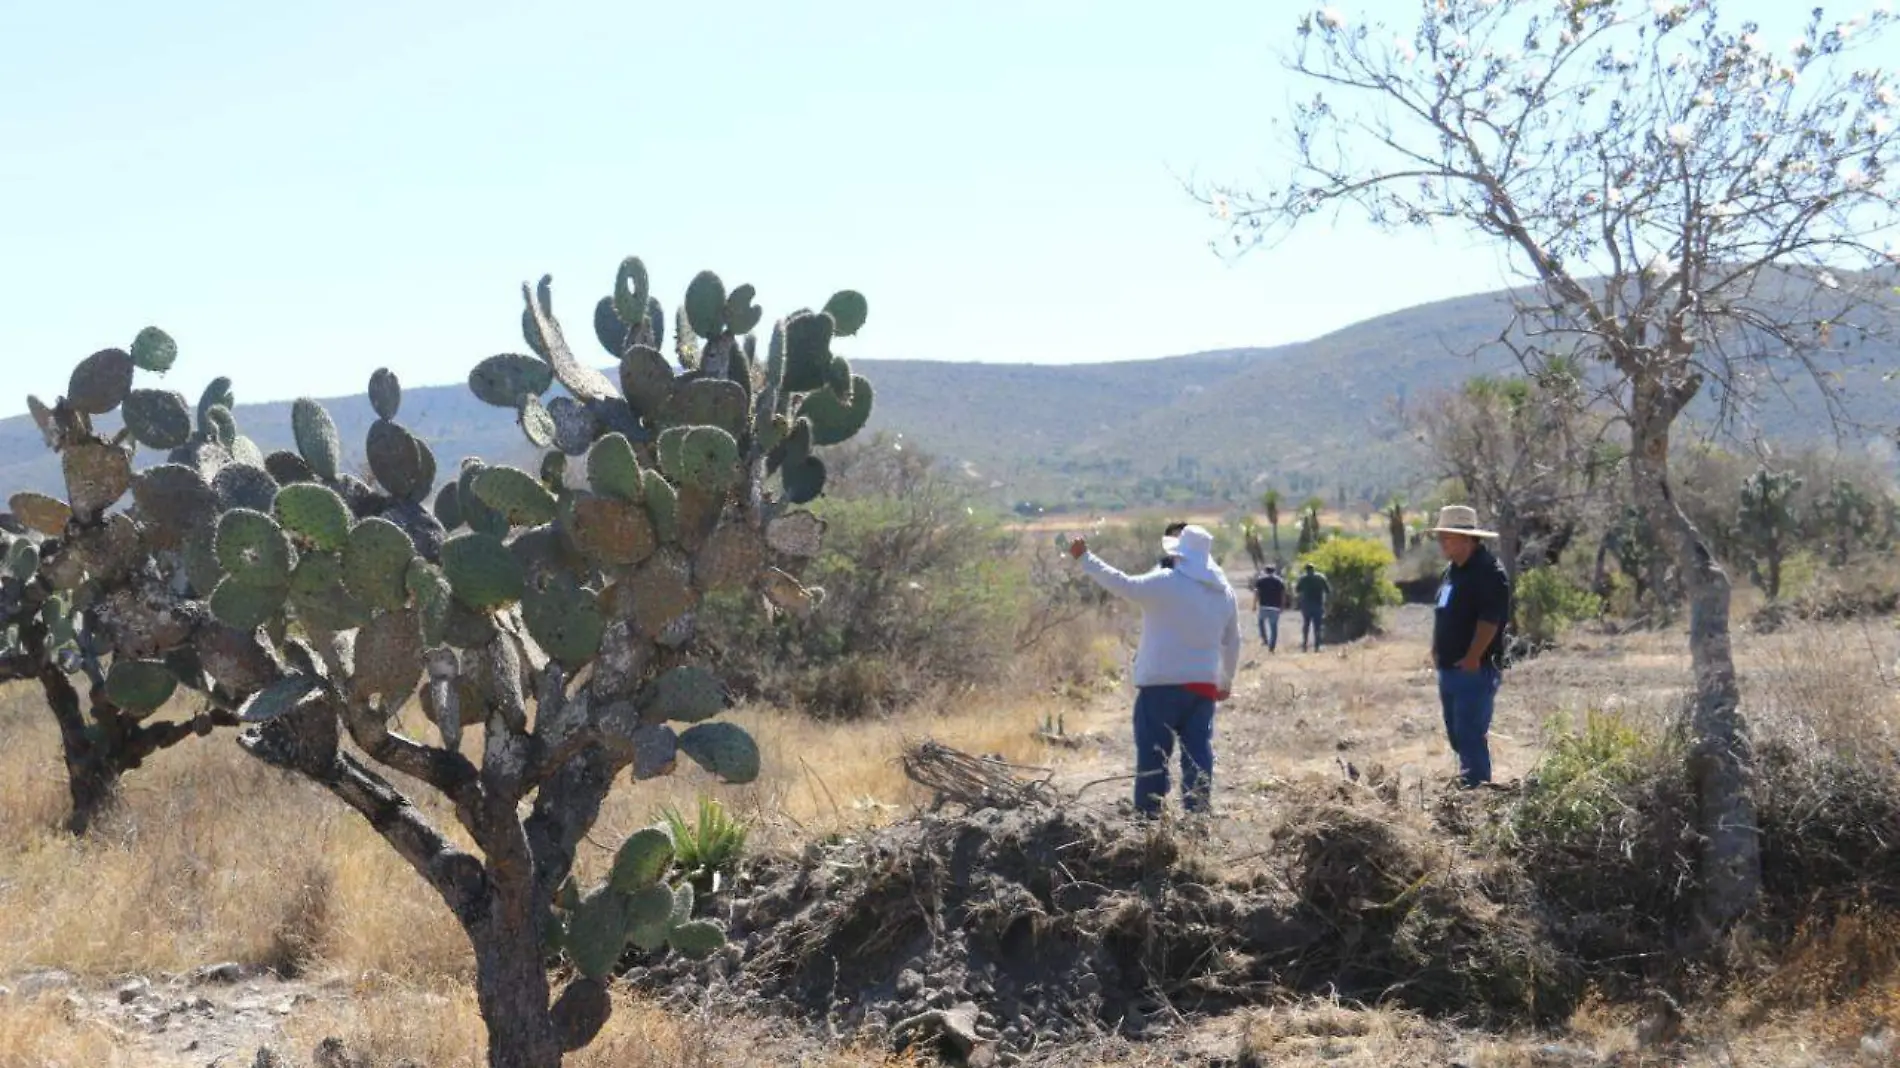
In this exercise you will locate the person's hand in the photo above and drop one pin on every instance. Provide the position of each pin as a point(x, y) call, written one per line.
point(1077, 547)
point(1470, 664)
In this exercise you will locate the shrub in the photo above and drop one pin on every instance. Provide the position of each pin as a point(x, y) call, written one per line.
point(1546, 602)
point(1358, 570)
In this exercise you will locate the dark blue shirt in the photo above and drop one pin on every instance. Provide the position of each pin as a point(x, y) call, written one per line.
point(1476, 592)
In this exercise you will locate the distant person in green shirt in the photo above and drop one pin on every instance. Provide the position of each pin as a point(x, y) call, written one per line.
point(1312, 589)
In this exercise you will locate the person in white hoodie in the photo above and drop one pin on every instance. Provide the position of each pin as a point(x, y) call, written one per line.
point(1190, 649)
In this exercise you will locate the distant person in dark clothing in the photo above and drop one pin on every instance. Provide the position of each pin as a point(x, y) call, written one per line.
point(1474, 602)
point(1269, 598)
point(1313, 591)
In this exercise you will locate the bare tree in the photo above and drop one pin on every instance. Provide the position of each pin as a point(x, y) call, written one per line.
point(1691, 206)
point(1520, 447)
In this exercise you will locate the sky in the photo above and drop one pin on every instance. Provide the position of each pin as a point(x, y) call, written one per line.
point(300, 194)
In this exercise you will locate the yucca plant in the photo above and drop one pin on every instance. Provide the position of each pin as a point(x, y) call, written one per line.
point(707, 850)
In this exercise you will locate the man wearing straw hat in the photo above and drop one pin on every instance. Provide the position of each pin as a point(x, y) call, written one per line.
point(1474, 602)
point(1189, 651)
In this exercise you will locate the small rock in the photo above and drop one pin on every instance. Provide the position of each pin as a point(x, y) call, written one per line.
point(268, 1058)
point(132, 990)
point(1878, 1044)
point(203, 1005)
point(331, 1053)
point(227, 972)
point(33, 984)
point(6, 992)
point(909, 981)
point(189, 1047)
point(1557, 1051)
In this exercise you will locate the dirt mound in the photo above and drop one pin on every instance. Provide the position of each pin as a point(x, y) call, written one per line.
point(1046, 923)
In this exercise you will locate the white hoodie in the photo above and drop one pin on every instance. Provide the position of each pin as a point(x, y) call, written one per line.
point(1190, 628)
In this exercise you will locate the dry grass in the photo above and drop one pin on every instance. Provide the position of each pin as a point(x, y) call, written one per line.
point(42, 1033)
point(390, 1024)
point(214, 856)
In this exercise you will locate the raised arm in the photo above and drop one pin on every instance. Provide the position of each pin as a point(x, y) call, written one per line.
point(1136, 588)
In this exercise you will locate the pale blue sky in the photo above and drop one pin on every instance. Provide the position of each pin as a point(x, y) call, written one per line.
point(303, 193)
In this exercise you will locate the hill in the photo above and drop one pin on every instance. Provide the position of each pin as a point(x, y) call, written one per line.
point(1318, 417)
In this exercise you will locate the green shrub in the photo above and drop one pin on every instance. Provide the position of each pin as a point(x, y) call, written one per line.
point(1577, 788)
point(1358, 570)
point(1546, 602)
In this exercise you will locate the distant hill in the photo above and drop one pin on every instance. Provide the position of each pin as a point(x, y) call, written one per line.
point(1318, 417)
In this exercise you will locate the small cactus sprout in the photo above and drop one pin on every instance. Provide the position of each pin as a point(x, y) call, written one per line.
point(641, 861)
point(385, 393)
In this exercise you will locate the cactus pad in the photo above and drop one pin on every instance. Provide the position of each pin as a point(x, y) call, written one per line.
point(376, 563)
point(696, 939)
point(663, 507)
point(835, 421)
point(388, 661)
point(417, 522)
point(244, 486)
point(288, 467)
point(101, 382)
point(481, 570)
point(798, 534)
point(706, 304)
point(48, 515)
point(700, 510)
point(655, 752)
point(316, 436)
point(154, 350)
point(731, 558)
point(574, 425)
point(217, 394)
point(140, 686)
point(314, 513)
point(724, 749)
point(218, 424)
point(615, 336)
point(804, 479)
point(613, 470)
point(536, 424)
point(742, 316)
point(385, 393)
point(246, 605)
point(321, 598)
point(683, 904)
point(641, 861)
point(597, 933)
point(632, 292)
point(848, 310)
point(476, 515)
point(807, 352)
point(448, 505)
point(707, 402)
point(517, 495)
point(646, 379)
point(685, 694)
point(608, 531)
point(97, 475)
point(660, 592)
point(109, 552)
point(666, 450)
point(838, 378)
point(280, 698)
point(172, 500)
point(430, 591)
point(22, 560)
point(402, 463)
point(706, 457)
point(251, 544)
point(503, 380)
point(158, 418)
point(785, 593)
point(565, 620)
point(651, 910)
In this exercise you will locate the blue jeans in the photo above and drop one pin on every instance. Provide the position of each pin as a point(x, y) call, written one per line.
point(1310, 620)
point(1468, 697)
point(1270, 627)
point(1163, 713)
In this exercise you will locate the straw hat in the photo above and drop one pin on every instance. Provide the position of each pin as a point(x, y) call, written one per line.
point(1461, 519)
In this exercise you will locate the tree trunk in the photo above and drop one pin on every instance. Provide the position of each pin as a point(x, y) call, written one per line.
point(511, 987)
point(1720, 759)
point(92, 779)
